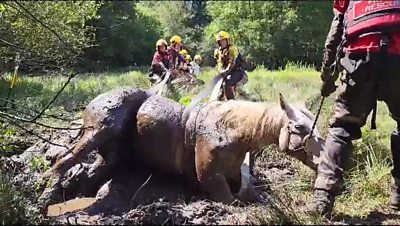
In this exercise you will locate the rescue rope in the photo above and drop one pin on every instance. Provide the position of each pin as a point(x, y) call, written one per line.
point(317, 116)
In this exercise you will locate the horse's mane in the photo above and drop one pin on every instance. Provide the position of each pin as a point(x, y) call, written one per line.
point(254, 120)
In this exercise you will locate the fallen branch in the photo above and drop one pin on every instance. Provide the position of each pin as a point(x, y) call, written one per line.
point(28, 114)
point(36, 135)
point(38, 123)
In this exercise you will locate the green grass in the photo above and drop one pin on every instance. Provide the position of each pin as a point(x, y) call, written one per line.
point(367, 181)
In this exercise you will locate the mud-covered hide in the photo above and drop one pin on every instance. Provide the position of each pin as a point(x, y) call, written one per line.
point(160, 138)
point(131, 130)
point(108, 130)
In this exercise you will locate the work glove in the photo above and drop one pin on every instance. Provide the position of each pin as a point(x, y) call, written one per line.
point(328, 87)
point(328, 79)
point(326, 73)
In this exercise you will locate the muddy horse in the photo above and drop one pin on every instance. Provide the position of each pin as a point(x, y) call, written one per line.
point(204, 143)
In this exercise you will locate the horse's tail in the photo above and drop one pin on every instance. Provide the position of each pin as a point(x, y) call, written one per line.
point(103, 126)
point(206, 91)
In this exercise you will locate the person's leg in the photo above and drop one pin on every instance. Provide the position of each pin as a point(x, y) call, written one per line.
point(352, 106)
point(390, 93)
point(230, 82)
point(395, 187)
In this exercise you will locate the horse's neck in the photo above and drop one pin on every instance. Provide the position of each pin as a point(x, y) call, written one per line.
point(270, 125)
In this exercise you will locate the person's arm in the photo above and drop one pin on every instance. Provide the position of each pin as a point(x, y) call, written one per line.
point(181, 62)
point(333, 38)
point(233, 55)
point(157, 60)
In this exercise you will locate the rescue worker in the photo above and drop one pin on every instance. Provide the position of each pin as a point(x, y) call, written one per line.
point(229, 64)
point(188, 59)
point(196, 65)
point(364, 40)
point(175, 59)
point(188, 66)
point(183, 53)
point(160, 63)
point(185, 67)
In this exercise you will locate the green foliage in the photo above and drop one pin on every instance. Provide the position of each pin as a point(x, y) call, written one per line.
point(122, 33)
point(185, 100)
point(13, 205)
point(6, 135)
point(40, 47)
point(124, 36)
point(272, 32)
point(184, 18)
point(39, 164)
point(2, 8)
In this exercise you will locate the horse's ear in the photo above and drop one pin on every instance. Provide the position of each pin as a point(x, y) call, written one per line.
point(286, 108)
point(282, 101)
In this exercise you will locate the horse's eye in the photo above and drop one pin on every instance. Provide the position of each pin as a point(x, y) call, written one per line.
point(298, 126)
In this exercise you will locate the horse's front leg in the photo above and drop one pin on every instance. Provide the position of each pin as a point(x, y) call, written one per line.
point(247, 192)
point(212, 181)
point(216, 186)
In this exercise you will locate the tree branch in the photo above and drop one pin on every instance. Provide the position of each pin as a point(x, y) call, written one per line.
point(47, 27)
point(36, 135)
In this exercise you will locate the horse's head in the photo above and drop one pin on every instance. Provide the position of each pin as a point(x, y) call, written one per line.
point(295, 138)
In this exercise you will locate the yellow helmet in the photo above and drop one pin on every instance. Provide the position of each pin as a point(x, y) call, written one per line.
point(161, 42)
point(188, 57)
point(222, 35)
point(183, 52)
point(175, 39)
point(198, 57)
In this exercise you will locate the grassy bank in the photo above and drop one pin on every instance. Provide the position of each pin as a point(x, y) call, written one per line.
point(367, 181)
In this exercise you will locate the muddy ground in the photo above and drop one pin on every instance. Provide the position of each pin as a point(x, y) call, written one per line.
point(145, 198)
point(137, 196)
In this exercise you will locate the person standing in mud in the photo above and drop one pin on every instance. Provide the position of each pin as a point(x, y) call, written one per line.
point(229, 64)
point(364, 44)
point(160, 63)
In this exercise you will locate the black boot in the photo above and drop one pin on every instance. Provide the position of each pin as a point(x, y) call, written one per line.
point(329, 181)
point(395, 187)
point(321, 203)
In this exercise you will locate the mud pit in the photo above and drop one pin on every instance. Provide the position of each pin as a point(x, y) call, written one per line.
point(138, 198)
point(132, 195)
point(100, 175)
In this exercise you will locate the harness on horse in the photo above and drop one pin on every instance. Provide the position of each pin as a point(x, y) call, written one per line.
point(306, 137)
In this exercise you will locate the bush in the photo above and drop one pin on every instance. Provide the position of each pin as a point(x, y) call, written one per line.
point(14, 207)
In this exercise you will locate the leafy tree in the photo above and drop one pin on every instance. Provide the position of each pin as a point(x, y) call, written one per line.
point(123, 36)
point(47, 34)
point(123, 33)
point(271, 33)
point(186, 19)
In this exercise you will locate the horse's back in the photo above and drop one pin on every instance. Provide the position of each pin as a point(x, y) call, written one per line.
point(114, 108)
point(159, 141)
